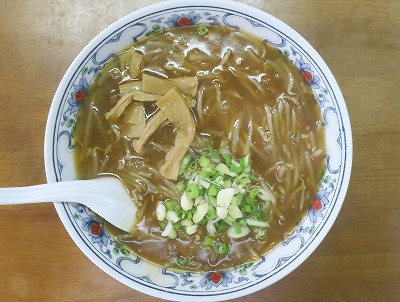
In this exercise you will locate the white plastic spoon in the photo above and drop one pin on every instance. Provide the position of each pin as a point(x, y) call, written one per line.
point(106, 196)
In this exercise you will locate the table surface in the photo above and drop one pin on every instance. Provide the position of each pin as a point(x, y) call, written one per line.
point(360, 258)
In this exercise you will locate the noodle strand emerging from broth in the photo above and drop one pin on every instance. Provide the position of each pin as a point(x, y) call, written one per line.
point(249, 141)
point(200, 104)
point(235, 135)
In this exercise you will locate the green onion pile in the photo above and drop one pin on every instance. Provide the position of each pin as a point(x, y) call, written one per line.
point(219, 194)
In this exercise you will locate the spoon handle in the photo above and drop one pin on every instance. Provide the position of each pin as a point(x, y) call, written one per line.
point(66, 191)
point(106, 196)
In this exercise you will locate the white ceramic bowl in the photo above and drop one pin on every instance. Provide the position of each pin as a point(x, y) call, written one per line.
point(165, 283)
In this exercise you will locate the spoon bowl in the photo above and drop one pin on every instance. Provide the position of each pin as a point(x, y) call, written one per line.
point(106, 196)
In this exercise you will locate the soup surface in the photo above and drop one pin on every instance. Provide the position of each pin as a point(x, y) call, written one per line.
point(244, 107)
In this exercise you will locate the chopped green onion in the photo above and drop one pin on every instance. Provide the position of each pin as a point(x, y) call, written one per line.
point(201, 211)
point(237, 199)
point(234, 211)
point(228, 159)
point(161, 211)
point(266, 195)
point(224, 197)
point(222, 212)
point(220, 248)
point(223, 169)
point(187, 222)
point(235, 167)
point(172, 234)
point(247, 208)
point(204, 161)
point(191, 186)
point(202, 30)
point(221, 226)
point(213, 201)
point(204, 183)
point(237, 227)
point(180, 186)
point(243, 222)
point(257, 215)
point(213, 190)
point(211, 229)
point(215, 176)
point(184, 163)
point(229, 219)
point(192, 191)
point(199, 200)
point(169, 231)
point(225, 152)
point(203, 221)
point(208, 241)
point(240, 189)
point(187, 175)
point(186, 203)
point(182, 261)
point(245, 181)
point(172, 205)
point(245, 161)
point(190, 230)
point(250, 200)
point(177, 225)
point(257, 223)
point(214, 153)
point(172, 216)
point(254, 192)
point(193, 166)
point(209, 169)
point(223, 249)
point(238, 231)
point(211, 213)
point(261, 234)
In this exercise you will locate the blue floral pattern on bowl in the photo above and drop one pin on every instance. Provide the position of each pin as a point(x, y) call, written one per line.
point(141, 274)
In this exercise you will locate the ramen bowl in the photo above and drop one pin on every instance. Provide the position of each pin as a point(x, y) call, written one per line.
point(95, 241)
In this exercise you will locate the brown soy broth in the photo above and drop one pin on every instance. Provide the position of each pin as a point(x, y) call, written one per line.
point(244, 99)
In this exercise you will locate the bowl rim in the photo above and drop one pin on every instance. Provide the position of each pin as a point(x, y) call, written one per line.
point(227, 5)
